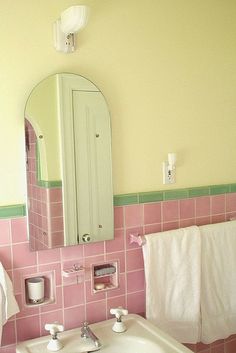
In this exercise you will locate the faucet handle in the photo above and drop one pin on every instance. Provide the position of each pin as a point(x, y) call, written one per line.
point(119, 325)
point(119, 312)
point(54, 344)
point(54, 328)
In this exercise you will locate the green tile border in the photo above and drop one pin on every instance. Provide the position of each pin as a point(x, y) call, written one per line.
point(12, 211)
point(49, 184)
point(150, 196)
point(175, 194)
point(127, 199)
point(136, 198)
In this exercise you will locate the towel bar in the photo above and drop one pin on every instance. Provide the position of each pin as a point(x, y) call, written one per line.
point(140, 240)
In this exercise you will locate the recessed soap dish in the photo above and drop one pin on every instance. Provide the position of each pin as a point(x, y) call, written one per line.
point(103, 270)
point(104, 276)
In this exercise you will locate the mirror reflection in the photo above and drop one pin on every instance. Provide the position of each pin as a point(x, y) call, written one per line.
point(68, 161)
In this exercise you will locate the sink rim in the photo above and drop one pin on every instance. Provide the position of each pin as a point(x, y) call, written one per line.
point(133, 322)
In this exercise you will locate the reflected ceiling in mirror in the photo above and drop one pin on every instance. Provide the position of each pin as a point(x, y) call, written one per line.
point(68, 161)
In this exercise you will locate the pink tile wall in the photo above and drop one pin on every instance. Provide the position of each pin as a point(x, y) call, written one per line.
point(45, 205)
point(76, 303)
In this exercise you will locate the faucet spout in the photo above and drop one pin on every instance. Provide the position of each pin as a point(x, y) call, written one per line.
point(86, 332)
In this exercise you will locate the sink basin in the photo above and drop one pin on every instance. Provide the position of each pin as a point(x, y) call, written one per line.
point(140, 337)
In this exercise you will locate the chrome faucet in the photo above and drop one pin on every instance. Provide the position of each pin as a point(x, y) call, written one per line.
point(86, 332)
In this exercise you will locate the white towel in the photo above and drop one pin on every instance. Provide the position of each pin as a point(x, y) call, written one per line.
point(8, 304)
point(218, 297)
point(172, 272)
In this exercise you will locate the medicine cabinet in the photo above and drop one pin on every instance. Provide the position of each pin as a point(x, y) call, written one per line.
point(69, 171)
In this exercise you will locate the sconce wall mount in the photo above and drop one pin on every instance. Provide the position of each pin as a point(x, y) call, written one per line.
point(72, 20)
point(169, 169)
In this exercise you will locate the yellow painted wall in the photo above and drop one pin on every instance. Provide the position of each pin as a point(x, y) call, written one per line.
point(166, 67)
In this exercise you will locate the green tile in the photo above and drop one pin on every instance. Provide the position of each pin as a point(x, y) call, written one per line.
point(232, 187)
point(126, 199)
point(49, 183)
point(199, 191)
point(12, 211)
point(150, 196)
point(175, 194)
point(219, 189)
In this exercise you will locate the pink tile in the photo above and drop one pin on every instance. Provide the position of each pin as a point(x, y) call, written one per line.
point(218, 342)
point(48, 318)
point(74, 317)
point(117, 256)
point(57, 239)
point(152, 213)
point(4, 231)
point(118, 217)
point(217, 204)
point(118, 243)
point(133, 215)
point(115, 303)
point(170, 211)
point(134, 259)
point(218, 349)
point(57, 224)
point(54, 267)
point(49, 256)
point(19, 230)
point(22, 256)
point(152, 228)
point(93, 297)
point(202, 347)
point(231, 202)
point(201, 221)
point(27, 328)
point(96, 311)
point(136, 303)
point(94, 249)
point(230, 346)
point(93, 260)
point(135, 281)
point(45, 195)
point(218, 218)
point(53, 306)
point(230, 338)
point(72, 252)
point(25, 310)
point(55, 195)
point(187, 222)
point(18, 275)
point(56, 209)
point(170, 226)
point(187, 208)
point(121, 290)
point(202, 206)
point(8, 333)
point(73, 295)
point(5, 256)
point(190, 346)
point(231, 215)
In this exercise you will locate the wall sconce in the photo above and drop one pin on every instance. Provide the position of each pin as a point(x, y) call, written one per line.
point(169, 169)
point(72, 21)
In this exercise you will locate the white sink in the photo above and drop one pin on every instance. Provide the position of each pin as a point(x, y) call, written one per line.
point(140, 337)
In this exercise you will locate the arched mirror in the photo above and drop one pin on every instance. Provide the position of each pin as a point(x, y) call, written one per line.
point(68, 160)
